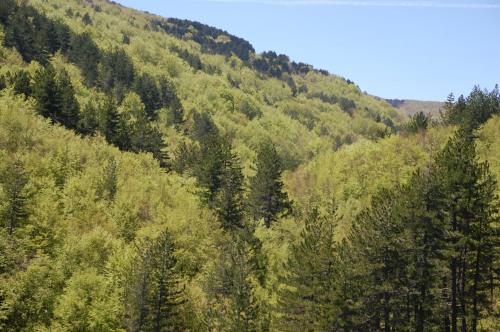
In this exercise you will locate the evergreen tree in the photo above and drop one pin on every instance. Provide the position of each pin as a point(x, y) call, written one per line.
point(176, 115)
point(146, 137)
point(21, 33)
point(203, 127)
point(473, 111)
point(209, 166)
point(47, 95)
point(86, 19)
point(21, 82)
point(155, 294)
point(418, 122)
point(379, 240)
point(6, 9)
point(70, 109)
point(231, 286)
point(145, 86)
point(86, 55)
point(427, 247)
point(3, 82)
point(471, 207)
point(167, 93)
point(15, 211)
point(89, 119)
point(116, 74)
point(142, 134)
point(55, 97)
point(267, 198)
point(113, 127)
point(306, 300)
point(230, 201)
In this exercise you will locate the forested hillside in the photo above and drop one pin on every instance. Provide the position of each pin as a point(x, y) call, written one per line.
point(160, 175)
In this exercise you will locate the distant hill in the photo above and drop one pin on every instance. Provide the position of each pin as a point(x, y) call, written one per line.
point(410, 107)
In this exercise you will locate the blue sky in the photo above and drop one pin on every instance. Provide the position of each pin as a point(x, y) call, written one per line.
point(391, 48)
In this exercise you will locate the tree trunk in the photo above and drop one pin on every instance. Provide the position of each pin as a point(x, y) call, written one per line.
point(475, 311)
point(454, 327)
point(463, 295)
point(446, 312)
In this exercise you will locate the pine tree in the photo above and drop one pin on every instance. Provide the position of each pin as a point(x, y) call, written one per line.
point(117, 73)
point(86, 55)
point(418, 122)
point(55, 97)
point(14, 181)
point(231, 285)
point(471, 206)
point(155, 294)
point(209, 167)
point(6, 9)
point(21, 82)
point(379, 239)
point(168, 95)
point(203, 127)
point(267, 198)
point(473, 111)
point(113, 127)
point(47, 94)
point(426, 246)
point(86, 19)
point(70, 109)
point(145, 86)
point(21, 34)
point(89, 119)
point(306, 300)
point(230, 201)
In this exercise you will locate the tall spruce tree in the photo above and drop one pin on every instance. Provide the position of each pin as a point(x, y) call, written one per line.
point(232, 287)
point(70, 109)
point(306, 300)
point(229, 202)
point(46, 93)
point(155, 293)
point(267, 197)
point(145, 86)
point(379, 240)
point(423, 216)
point(15, 211)
point(471, 212)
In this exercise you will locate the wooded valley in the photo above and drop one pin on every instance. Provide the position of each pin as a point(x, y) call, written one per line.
point(160, 175)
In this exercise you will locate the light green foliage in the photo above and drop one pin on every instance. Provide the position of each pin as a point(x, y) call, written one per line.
point(89, 211)
point(489, 144)
point(250, 94)
point(85, 215)
point(354, 173)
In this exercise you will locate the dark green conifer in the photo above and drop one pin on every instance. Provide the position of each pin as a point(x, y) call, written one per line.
point(47, 94)
point(267, 197)
point(15, 211)
point(70, 109)
point(155, 294)
point(306, 299)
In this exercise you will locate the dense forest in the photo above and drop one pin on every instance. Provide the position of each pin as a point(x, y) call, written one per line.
point(160, 175)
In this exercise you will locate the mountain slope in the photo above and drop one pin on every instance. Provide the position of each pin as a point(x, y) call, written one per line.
point(411, 107)
point(319, 109)
point(158, 175)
